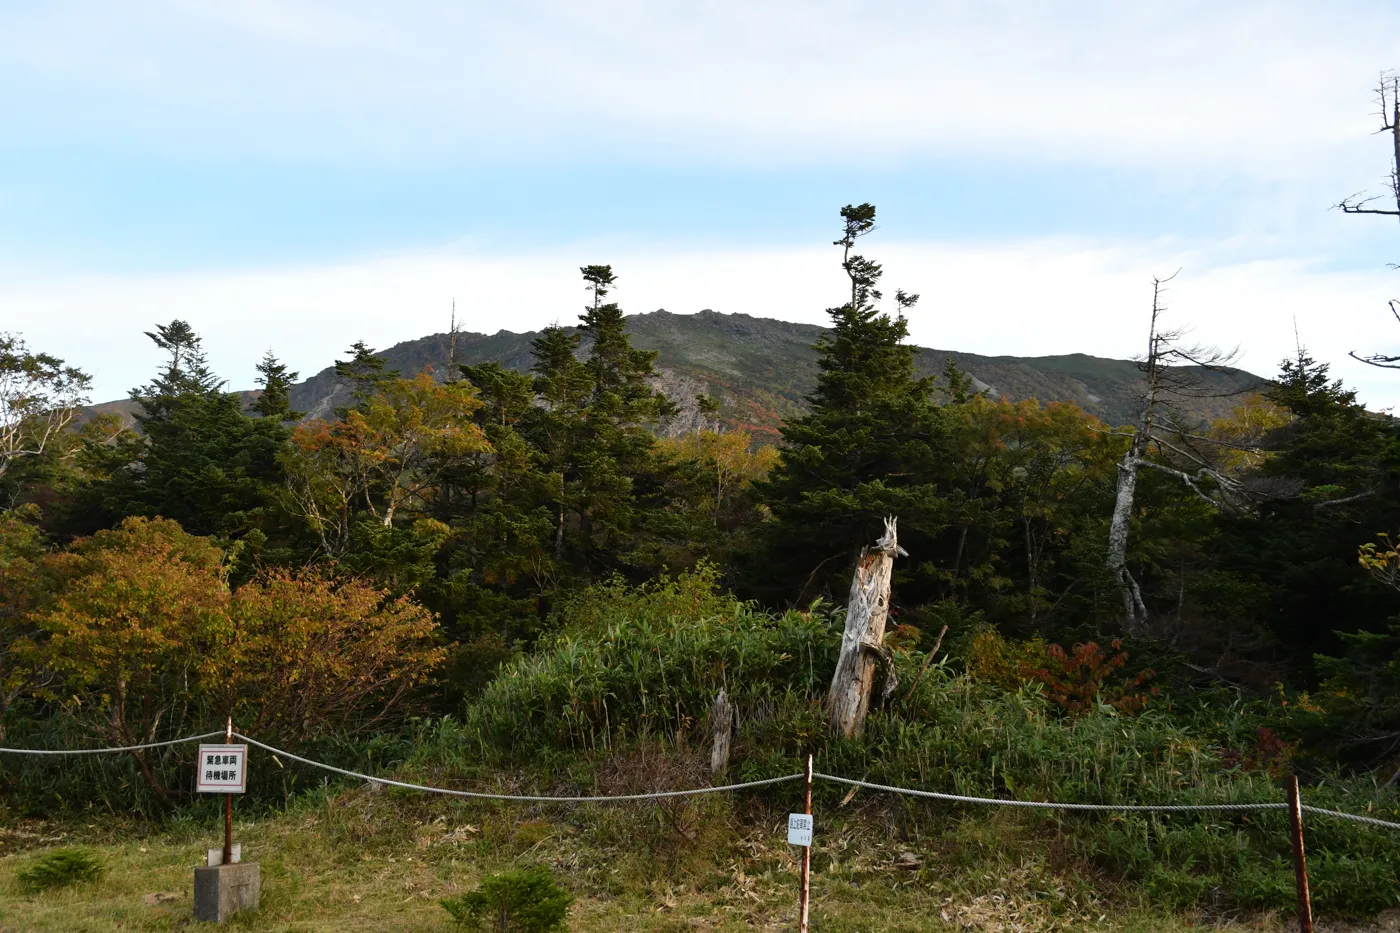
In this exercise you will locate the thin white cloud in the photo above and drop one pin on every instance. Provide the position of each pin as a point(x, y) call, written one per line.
point(1256, 87)
point(1029, 298)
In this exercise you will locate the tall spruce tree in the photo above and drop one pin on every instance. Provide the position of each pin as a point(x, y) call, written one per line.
point(870, 447)
point(364, 373)
point(593, 430)
point(185, 378)
point(499, 566)
point(198, 458)
point(622, 479)
point(621, 374)
point(275, 401)
point(564, 387)
point(1331, 481)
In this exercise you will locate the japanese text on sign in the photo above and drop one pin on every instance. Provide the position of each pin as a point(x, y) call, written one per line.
point(799, 829)
point(222, 769)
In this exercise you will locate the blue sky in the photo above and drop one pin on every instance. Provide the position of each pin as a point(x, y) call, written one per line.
point(302, 174)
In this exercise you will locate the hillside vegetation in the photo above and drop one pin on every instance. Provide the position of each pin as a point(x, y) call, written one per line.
point(539, 574)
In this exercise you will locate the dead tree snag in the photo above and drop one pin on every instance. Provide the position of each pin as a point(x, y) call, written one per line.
point(862, 644)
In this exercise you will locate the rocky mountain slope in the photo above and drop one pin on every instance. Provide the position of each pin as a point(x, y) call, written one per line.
point(761, 369)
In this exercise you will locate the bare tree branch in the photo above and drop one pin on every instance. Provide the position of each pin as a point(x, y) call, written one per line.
point(1388, 100)
point(1356, 497)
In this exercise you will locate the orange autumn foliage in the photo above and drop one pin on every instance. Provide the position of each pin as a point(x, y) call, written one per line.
point(313, 654)
point(382, 456)
point(141, 638)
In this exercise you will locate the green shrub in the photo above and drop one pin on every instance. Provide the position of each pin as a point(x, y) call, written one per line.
point(60, 868)
point(526, 900)
point(691, 594)
point(646, 671)
point(652, 677)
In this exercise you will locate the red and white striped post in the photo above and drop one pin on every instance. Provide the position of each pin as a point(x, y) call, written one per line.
point(807, 858)
point(1300, 858)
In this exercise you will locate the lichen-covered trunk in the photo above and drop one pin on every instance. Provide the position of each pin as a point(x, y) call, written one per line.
point(862, 644)
point(1134, 612)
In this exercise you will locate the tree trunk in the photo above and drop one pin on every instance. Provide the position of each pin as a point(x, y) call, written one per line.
point(862, 644)
point(1134, 612)
point(722, 721)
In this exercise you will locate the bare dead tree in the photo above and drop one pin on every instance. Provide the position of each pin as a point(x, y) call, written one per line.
point(1162, 440)
point(452, 373)
point(863, 641)
point(1388, 104)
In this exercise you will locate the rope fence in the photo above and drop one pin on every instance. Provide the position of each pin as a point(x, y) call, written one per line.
point(527, 798)
point(1051, 805)
point(108, 751)
point(747, 785)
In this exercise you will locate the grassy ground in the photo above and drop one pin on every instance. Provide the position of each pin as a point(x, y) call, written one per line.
point(376, 861)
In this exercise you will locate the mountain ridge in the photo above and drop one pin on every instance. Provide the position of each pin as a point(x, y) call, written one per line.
point(762, 369)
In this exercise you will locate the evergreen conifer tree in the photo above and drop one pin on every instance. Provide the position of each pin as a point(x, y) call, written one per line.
point(186, 376)
point(276, 398)
point(1328, 485)
point(364, 372)
point(200, 459)
point(502, 557)
point(870, 447)
point(957, 384)
point(564, 387)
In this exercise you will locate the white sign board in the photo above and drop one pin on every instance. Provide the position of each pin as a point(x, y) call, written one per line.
point(799, 829)
point(223, 769)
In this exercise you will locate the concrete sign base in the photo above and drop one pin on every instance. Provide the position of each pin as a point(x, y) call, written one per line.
point(220, 891)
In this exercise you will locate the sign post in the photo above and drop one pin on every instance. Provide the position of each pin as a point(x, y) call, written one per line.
point(223, 769)
point(800, 834)
point(225, 886)
point(1300, 858)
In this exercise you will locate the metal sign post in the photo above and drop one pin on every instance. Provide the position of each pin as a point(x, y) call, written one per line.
point(223, 769)
point(227, 884)
point(228, 807)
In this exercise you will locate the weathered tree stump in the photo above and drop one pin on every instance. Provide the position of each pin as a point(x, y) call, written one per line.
point(862, 644)
point(722, 721)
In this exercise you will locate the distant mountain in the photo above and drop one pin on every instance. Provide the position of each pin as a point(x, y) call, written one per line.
point(761, 369)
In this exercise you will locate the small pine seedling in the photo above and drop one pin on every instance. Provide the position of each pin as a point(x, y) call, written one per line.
point(527, 900)
point(59, 869)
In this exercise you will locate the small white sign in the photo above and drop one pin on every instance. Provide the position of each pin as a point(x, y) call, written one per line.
point(216, 856)
point(799, 829)
point(222, 769)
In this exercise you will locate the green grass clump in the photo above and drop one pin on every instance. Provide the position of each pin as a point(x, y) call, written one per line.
point(59, 869)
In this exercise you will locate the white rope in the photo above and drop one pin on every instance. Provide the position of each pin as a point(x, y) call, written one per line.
point(1048, 805)
point(1369, 820)
point(522, 797)
point(658, 795)
point(1119, 807)
point(106, 751)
